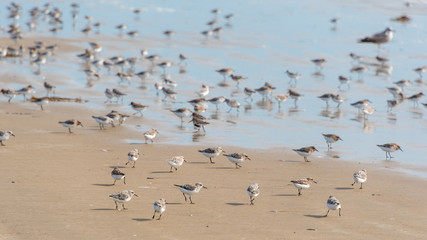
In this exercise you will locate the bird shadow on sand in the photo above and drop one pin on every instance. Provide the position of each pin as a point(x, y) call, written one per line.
point(142, 219)
point(292, 161)
point(104, 209)
point(236, 204)
point(344, 188)
point(284, 195)
point(174, 203)
point(222, 167)
point(118, 167)
point(197, 162)
point(161, 172)
point(314, 216)
point(103, 184)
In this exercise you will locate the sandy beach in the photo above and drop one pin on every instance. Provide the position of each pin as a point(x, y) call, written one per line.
point(57, 184)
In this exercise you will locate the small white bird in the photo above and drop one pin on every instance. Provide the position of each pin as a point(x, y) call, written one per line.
point(212, 152)
point(159, 207)
point(123, 197)
point(253, 192)
point(204, 91)
point(190, 189)
point(360, 177)
point(4, 135)
point(116, 174)
point(175, 162)
point(333, 204)
point(133, 156)
point(150, 135)
point(303, 184)
point(237, 158)
point(102, 120)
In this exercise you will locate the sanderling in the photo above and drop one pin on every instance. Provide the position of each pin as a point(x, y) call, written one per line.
point(159, 207)
point(71, 123)
point(102, 120)
point(118, 94)
point(199, 123)
point(216, 101)
point(361, 104)
point(253, 192)
point(212, 152)
point(402, 18)
point(303, 184)
point(237, 78)
point(326, 97)
point(360, 177)
point(379, 38)
point(49, 88)
point(169, 82)
point(116, 174)
point(318, 62)
point(396, 92)
point(169, 93)
point(359, 70)
point(415, 98)
point(420, 70)
point(175, 162)
point(182, 113)
point(199, 108)
point(158, 86)
point(150, 135)
point(144, 75)
point(4, 135)
point(169, 33)
point(367, 111)
point(8, 93)
point(338, 99)
point(190, 189)
point(333, 204)
point(164, 65)
point(403, 83)
point(305, 152)
point(331, 138)
point(265, 91)
point(138, 107)
point(388, 148)
point(124, 77)
point(237, 158)
point(249, 92)
point(116, 116)
point(344, 81)
point(40, 101)
point(203, 91)
point(281, 98)
point(207, 33)
point(295, 96)
point(232, 104)
point(123, 197)
point(293, 76)
point(26, 90)
point(225, 72)
point(133, 156)
point(391, 104)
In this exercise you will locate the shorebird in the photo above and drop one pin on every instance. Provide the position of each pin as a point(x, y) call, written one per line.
point(159, 207)
point(303, 184)
point(295, 96)
point(379, 38)
point(225, 72)
point(199, 123)
point(420, 71)
point(138, 108)
point(118, 94)
point(333, 204)
point(338, 99)
point(150, 135)
point(305, 152)
point(190, 189)
point(388, 148)
point(9, 94)
point(249, 92)
point(253, 192)
point(133, 156)
point(281, 98)
point(175, 162)
point(415, 98)
point(4, 135)
point(368, 111)
point(360, 177)
point(359, 70)
point(318, 62)
point(361, 104)
point(49, 88)
point(116, 174)
point(212, 152)
point(237, 158)
point(232, 104)
point(293, 76)
point(182, 113)
point(71, 123)
point(40, 101)
point(216, 101)
point(326, 97)
point(331, 138)
point(123, 197)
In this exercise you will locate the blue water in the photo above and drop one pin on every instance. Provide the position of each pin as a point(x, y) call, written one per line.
point(266, 39)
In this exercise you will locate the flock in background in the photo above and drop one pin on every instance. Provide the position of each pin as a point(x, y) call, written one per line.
point(125, 70)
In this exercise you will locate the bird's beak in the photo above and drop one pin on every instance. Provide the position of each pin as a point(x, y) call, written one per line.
point(315, 182)
point(205, 187)
point(135, 195)
point(249, 159)
point(185, 160)
point(316, 150)
point(399, 148)
point(14, 136)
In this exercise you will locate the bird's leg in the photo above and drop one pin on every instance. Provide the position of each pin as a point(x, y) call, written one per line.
point(69, 130)
point(210, 159)
point(1, 142)
point(191, 201)
point(361, 185)
point(124, 180)
point(299, 191)
point(185, 197)
point(176, 169)
point(353, 183)
point(327, 213)
point(117, 207)
point(154, 215)
point(170, 170)
point(134, 162)
point(114, 183)
point(340, 212)
point(160, 216)
point(123, 205)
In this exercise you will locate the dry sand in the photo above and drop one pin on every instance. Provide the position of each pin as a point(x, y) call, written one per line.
point(62, 182)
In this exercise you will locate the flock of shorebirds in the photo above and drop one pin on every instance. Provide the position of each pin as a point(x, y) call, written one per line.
point(124, 70)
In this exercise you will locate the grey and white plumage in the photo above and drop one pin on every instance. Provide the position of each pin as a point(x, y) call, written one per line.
point(122, 197)
point(116, 174)
point(159, 207)
point(133, 157)
point(232, 103)
point(303, 184)
point(305, 152)
point(181, 113)
point(253, 192)
point(237, 158)
point(9, 94)
point(190, 189)
point(333, 204)
point(4, 135)
point(102, 120)
point(212, 152)
point(176, 162)
point(70, 124)
point(138, 107)
point(331, 138)
point(150, 135)
point(379, 38)
point(389, 148)
point(360, 177)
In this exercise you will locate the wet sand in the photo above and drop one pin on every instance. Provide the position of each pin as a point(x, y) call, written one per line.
point(62, 182)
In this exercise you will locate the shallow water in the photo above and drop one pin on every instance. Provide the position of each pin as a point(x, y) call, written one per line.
point(261, 42)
